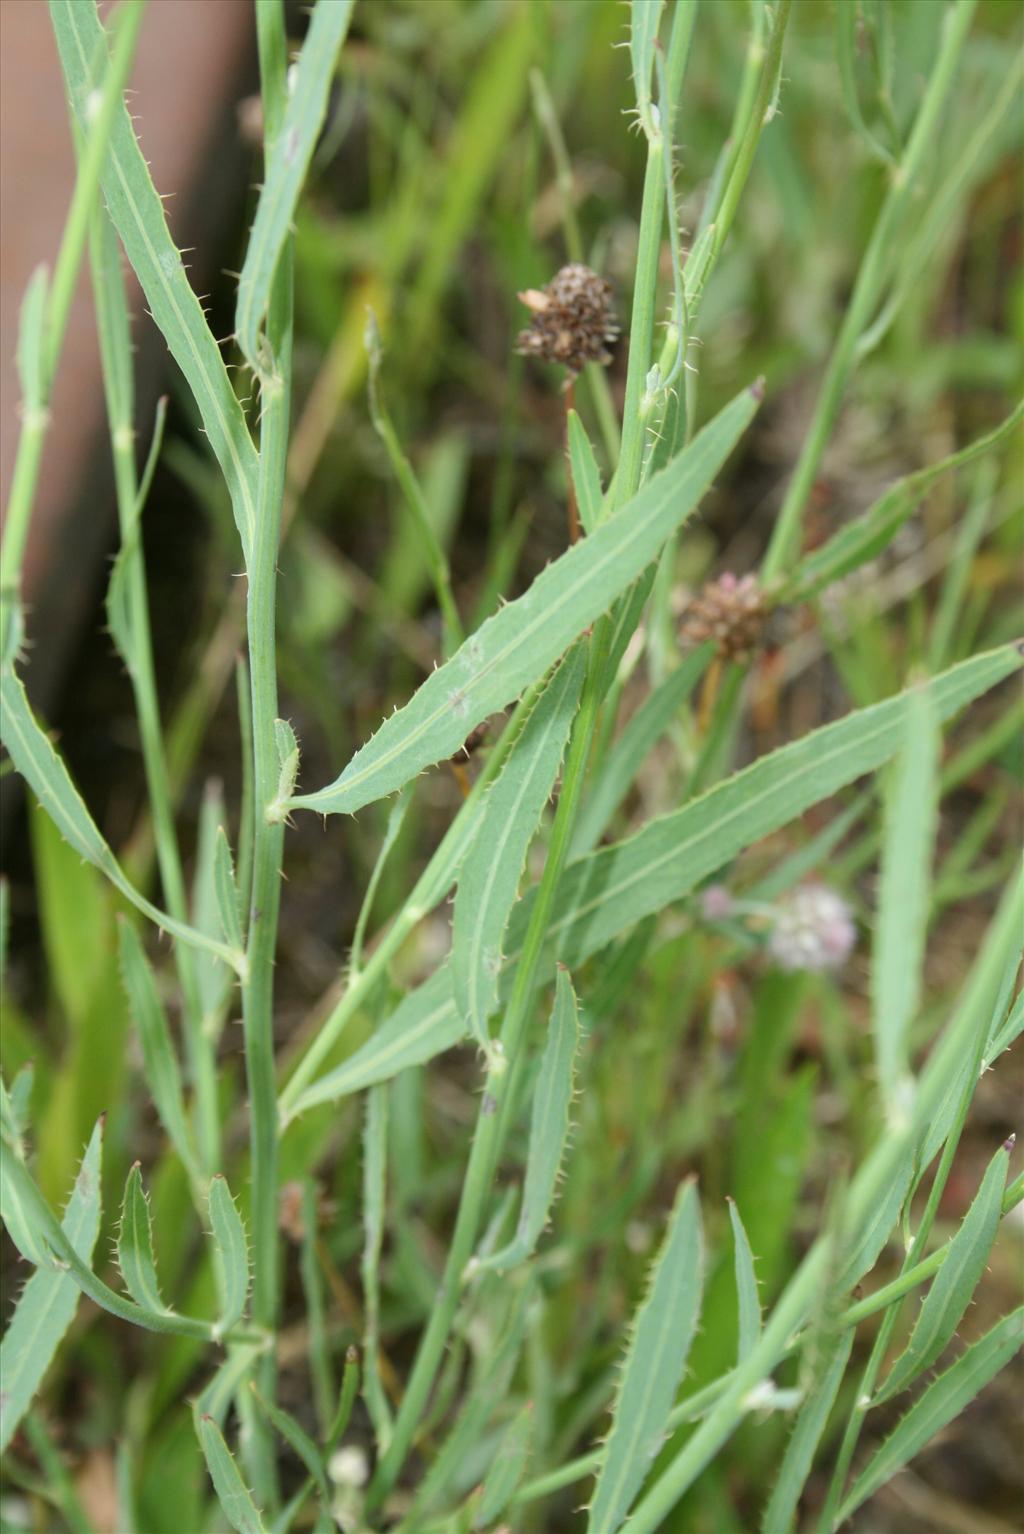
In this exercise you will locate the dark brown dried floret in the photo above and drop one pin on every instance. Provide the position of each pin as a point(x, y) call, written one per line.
point(571, 319)
point(731, 612)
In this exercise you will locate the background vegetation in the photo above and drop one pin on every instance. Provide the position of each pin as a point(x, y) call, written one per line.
point(469, 150)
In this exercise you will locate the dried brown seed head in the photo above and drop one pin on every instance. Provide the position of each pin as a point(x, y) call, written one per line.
point(572, 321)
point(730, 611)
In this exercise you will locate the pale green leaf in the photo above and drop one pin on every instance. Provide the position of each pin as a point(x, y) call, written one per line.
point(491, 871)
point(34, 757)
point(909, 825)
point(653, 1366)
point(31, 347)
point(48, 1302)
point(297, 1438)
point(866, 536)
point(425, 1024)
point(135, 1245)
point(527, 636)
point(618, 772)
point(953, 1287)
point(644, 19)
point(944, 1400)
point(288, 160)
point(137, 213)
point(160, 1063)
point(212, 977)
point(230, 1254)
point(586, 477)
point(508, 1467)
point(747, 1295)
point(804, 1439)
point(375, 1147)
point(549, 1127)
point(226, 891)
point(232, 1493)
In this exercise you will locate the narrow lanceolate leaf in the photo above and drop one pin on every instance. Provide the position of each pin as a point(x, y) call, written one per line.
point(618, 774)
point(48, 1301)
point(526, 637)
point(232, 1493)
point(586, 477)
point(213, 979)
point(508, 1467)
point(549, 1126)
point(299, 1440)
point(230, 1254)
point(866, 537)
point(804, 1439)
point(288, 160)
point(609, 891)
point(489, 880)
point(138, 215)
point(911, 813)
point(135, 1245)
point(34, 757)
point(226, 891)
point(424, 1025)
point(644, 17)
point(653, 1367)
point(158, 1058)
point(748, 1298)
point(945, 1398)
point(953, 1287)
point(31, 341)
point(603, 894)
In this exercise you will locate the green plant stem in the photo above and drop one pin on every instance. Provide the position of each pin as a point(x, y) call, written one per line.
point(869, 1378)
point(764, 66)
point(36, 415)
point(867, 291)
point(268, 836)
point(113, 325)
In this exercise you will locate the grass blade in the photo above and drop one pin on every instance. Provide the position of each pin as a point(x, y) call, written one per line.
point(158, 1057)
point(288, 160)
point(138, 216)
point(549, 1127)
point(507, 1468)
point(232, 1493)
point(804, 1439)
point(644, 19)
point(230, 1254)
point(642, 733)
point(424, 1025)
point(299, 1440)
point(41, 767)
point(527, 636)
point(226, 891)
point(653, 1367)
point(911, 813)
point(375, 1143)
point(866, 536)
point(944, 1399)
point(49, 1300)
point(951, 1292)
point(135, 1245)
point(747, 1295)
point(586, 477)
point(489, 880)
point(603, 894)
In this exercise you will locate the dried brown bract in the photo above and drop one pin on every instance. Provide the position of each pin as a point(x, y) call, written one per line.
point(571, 319)
point(730, 611)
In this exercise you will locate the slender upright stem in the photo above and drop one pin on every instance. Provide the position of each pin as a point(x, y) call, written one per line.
point(268, 834)
point(867, 291)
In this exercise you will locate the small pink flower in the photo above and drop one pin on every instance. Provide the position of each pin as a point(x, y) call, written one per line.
point(813, 929)
point(716, 903)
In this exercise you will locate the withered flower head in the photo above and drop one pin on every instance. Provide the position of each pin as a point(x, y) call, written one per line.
point(731, 612)
point(571, 319)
